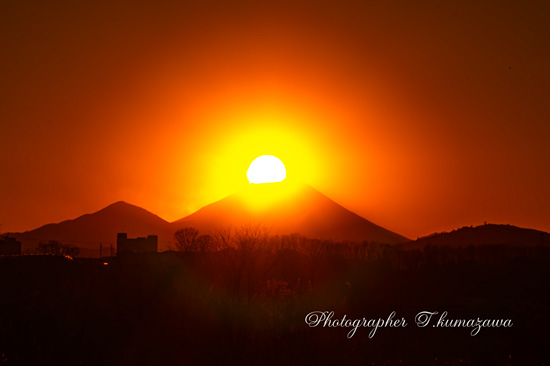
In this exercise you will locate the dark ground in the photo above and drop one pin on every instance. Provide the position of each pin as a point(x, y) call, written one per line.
point(248, 307)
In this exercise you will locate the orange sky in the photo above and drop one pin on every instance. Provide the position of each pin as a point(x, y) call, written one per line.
point(419, 117)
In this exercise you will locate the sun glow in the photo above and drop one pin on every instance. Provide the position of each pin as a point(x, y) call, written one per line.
point(245, 131)
point(266, 169)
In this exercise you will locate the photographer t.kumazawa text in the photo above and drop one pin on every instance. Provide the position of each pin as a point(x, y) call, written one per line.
point(422, 320)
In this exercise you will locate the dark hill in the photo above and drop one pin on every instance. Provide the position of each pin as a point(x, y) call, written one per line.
point(88, 230)
point(485, 235)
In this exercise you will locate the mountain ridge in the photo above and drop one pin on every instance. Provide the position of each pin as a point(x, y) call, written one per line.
point(288, 215)
point(308, 213)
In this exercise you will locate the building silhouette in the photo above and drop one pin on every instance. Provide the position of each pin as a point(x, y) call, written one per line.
point(10, 246)
point(136, 245)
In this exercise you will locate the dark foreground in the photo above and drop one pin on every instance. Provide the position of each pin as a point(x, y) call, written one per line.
point(248, 307)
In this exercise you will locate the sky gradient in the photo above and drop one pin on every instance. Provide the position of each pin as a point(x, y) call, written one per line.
point(419, 116)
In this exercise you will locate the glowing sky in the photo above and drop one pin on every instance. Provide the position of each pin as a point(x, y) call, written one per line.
point(419, 116)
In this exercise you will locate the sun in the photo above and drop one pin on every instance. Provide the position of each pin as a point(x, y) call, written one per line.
point(266, 169)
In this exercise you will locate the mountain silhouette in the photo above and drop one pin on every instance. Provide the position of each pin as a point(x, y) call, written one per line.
point(286, 208)
point(490, 234)
point(88, 230)
point(301, 210)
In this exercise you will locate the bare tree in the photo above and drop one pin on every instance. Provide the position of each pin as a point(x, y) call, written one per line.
point(223, 238)
point(251, 237)
point(205, 243)
point(54, 247)
point(187, 239)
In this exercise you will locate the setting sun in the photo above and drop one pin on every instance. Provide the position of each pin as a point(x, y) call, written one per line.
point(266, 169)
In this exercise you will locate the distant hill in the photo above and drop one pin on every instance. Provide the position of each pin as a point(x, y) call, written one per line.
point(88, 230)
point(485, 235)
point(286, 209)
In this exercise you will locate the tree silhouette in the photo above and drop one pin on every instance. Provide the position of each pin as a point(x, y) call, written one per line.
point(205, 243)
point(54, 247)
point(187, 239)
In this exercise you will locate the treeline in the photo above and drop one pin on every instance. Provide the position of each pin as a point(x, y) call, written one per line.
point(402, 256)
point(54, 247)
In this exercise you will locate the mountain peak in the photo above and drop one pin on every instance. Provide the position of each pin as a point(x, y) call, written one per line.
point(287, 208)
point(89, 230)
point(119, 205)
